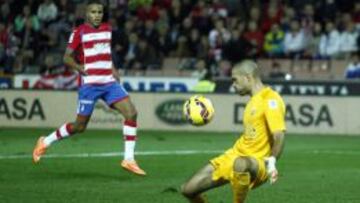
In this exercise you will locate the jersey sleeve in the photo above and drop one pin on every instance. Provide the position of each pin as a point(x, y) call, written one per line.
point(74, 40)
point(275, 114)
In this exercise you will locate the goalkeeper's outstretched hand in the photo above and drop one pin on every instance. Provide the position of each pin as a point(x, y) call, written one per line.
point(270, 163)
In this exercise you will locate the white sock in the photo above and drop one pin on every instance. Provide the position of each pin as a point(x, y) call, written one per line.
point(129, 132)
point(50, 139)
point(129, 150)
point(58, 134)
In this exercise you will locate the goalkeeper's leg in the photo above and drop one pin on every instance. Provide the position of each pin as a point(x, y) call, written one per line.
point(244, 171)
point(200, 182)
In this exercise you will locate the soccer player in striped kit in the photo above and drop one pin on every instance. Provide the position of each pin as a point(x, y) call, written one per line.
point(89, 52)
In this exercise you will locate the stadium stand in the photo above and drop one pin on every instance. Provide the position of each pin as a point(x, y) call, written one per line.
point(308, 39)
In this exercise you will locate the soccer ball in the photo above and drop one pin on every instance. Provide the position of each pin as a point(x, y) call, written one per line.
point(198, 110)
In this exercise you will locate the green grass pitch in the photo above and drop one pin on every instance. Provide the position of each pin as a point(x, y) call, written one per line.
point(314, 169)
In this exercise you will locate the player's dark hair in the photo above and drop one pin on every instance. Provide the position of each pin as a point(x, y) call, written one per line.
point(100, 2)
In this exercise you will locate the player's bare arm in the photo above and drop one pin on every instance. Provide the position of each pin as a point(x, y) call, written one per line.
point(69, 60)
point(276, 151)
point(278, 145)
point(115, 73)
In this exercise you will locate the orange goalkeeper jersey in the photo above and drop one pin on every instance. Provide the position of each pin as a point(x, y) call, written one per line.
point(264, 114)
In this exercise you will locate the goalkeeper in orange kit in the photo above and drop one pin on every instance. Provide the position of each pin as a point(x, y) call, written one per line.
point(252, 159)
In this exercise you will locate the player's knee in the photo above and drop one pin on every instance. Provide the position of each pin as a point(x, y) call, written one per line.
point(79, 128)
point(186, 191)
point(131, 115)
point(241, 164)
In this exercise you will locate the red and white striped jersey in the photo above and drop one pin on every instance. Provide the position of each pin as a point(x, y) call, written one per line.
point(93, 49)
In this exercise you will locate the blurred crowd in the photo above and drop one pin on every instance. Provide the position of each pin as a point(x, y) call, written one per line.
point(207, 36)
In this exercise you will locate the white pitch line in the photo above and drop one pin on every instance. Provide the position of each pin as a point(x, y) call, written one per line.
point(338, 152)
point(114, 154)
point(150, 153)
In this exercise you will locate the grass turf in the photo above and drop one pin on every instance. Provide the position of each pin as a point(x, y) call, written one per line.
point(313, 169)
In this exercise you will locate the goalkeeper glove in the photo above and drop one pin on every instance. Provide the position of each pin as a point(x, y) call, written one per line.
point(271, 169)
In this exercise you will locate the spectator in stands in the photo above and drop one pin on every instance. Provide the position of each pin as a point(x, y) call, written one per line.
point(48, 40)
point(348, 37)
point(233, 22)
point(330, 41)
point(120, 42)
point(238, 48)
point(203, 48)
point(163, 4)
point(218, 37)
point(29, 41)
point(358, 44)
point(205, 85)
point(146, 58)
point(356, 13)
point(219, 34)
point(300, 3)
point(3, 46)
point(255, 37)
point(79, 14)
point(54, 75)
point(64, 21)
point(218, 8)
point(11, 48)
point(121, 15)
point(149, 33)
point(164, 43)
point(47, 12)
point(308, 17)
point(327, 10)
point(176, 12)
point(199, 14)
point(273, 15)
point(5, 13)
point(34, 5)
point(49, 65)
point(186, 27)
point(289, 16)
point(132, 50)
point(276, 71)
point(22, 19)
point(186, 7)
point(193, 42)
point(148, 12)
point(201, 70)
point(295, 40)
point(235, 7)
point(274, 42)
point(353, 69)
point(66, 9)
point(224, 69)
point(254, 15)
point(312, 49)
point(163, 20)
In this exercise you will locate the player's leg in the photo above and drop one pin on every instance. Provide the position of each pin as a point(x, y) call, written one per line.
point(118, 98)
point(200, 182)
point(68, 129)
point(63, 132)
point(128, 110)
point(244, 172)
point(87, 99)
